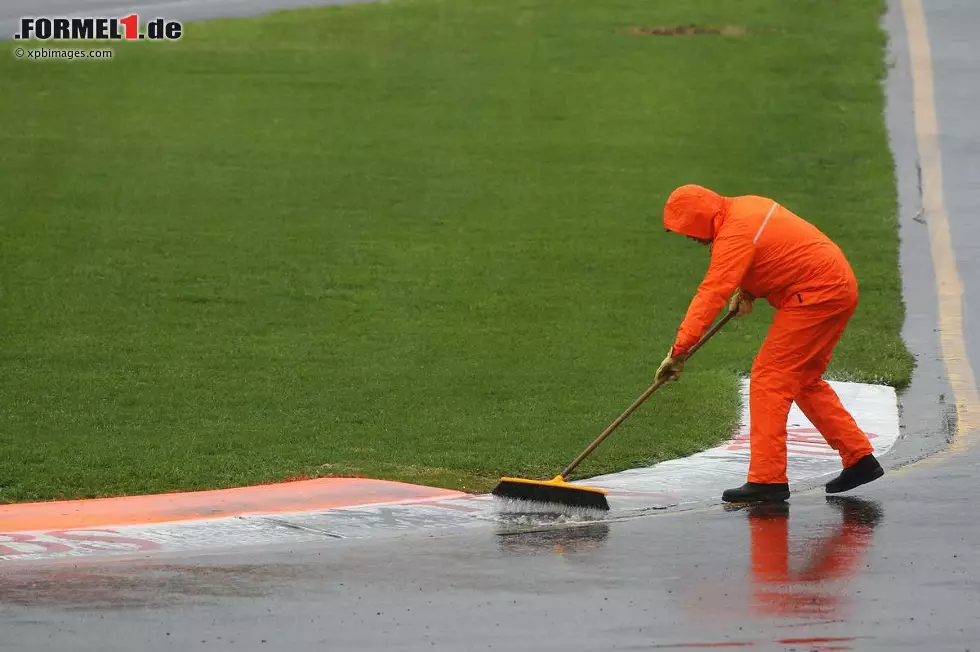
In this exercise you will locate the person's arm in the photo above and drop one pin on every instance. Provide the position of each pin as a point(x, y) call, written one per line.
point(731, 255)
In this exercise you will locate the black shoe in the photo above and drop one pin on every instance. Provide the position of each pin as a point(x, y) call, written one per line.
point(756, 492)
point(861, 472)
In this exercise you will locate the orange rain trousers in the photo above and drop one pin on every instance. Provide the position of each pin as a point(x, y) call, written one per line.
point(770, 252)
point(790, 366)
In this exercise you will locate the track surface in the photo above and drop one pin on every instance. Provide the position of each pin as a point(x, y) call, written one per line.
point(897, 566)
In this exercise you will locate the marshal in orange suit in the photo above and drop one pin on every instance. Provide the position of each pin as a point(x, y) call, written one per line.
point(760, 249)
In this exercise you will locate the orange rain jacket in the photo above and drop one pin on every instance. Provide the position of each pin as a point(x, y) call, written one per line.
point(757, 245)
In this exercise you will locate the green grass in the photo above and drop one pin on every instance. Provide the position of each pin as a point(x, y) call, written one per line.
point(418, 240)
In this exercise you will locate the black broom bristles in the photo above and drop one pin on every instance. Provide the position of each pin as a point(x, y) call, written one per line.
point(551, 492)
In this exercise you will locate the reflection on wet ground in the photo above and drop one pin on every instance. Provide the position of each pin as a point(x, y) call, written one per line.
point(795, 578)
point(786, 586)
point(789, 577)
point(559, 541)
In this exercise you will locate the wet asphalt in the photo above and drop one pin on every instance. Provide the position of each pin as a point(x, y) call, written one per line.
point(894, 566)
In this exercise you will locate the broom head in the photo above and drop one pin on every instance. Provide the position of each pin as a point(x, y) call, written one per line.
point(552, 491)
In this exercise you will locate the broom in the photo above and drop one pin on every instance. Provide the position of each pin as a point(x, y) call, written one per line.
point(557, 490)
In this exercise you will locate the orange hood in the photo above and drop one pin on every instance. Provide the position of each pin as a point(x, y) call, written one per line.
point(695, 211)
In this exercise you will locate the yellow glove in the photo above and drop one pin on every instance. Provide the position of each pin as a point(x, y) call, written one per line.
point(670, 369)
point(740, 303)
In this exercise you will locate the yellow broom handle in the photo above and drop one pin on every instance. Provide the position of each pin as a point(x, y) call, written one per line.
point(615, 424)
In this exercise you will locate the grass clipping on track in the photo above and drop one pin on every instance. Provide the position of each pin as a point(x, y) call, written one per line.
point(418, 240)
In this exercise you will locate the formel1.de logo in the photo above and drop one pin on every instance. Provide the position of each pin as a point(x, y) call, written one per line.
point(91, 29)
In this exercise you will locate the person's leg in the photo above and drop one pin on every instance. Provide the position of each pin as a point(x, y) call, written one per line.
point(797, 339)
point(821, 405)
point(771, 391)
point(793, 353)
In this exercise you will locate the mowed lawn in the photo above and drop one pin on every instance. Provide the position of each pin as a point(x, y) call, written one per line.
point(419, 240)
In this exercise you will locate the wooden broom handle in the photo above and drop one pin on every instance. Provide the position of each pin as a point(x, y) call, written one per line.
point(615, 424)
